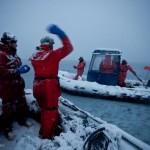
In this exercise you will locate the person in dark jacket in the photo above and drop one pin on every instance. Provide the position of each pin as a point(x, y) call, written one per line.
point(124, 67)
point(46, 87)
point(11, 85)
point(80, 68)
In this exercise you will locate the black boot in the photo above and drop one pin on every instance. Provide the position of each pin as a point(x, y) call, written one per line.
point(26, 123)
point(9, 134)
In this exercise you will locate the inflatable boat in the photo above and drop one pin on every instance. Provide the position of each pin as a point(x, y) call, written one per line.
point(136, 92)
point(102, 80)
point(80, 131)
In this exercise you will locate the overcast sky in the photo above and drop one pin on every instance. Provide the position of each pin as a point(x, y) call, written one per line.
point(90, 24)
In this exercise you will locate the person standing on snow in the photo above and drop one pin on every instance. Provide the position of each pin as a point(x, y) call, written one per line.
point(124, 67)
point(80, 68)
point(148, 68)
point(12, 85)
point(46, 87)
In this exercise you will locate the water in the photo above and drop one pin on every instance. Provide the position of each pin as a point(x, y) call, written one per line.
point(132, 118)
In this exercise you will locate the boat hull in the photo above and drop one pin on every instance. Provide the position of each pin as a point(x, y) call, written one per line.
point(80, 130)
point(136, 94)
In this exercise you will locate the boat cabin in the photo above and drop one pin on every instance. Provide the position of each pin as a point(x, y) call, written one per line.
point(104, 66)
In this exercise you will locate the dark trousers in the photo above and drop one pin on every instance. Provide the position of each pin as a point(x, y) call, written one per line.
point(11, 109)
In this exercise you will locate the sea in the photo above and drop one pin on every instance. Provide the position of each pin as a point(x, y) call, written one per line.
point(130, 117)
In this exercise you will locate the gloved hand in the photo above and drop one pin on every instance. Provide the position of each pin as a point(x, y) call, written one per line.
point(135, 74)
point(75, 67)
point(56, 30)
point(23, 69)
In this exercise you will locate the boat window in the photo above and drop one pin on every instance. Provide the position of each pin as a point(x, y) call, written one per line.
point(96, 59)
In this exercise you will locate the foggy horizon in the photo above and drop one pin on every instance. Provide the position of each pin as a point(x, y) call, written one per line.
point(116, 24)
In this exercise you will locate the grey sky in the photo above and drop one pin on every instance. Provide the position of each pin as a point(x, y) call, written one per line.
point(90, 24)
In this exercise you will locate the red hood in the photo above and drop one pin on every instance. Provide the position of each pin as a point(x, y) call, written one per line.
point(4, 48)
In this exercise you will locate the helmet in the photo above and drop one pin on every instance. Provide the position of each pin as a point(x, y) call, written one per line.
point(8, 38)
point(47, 41)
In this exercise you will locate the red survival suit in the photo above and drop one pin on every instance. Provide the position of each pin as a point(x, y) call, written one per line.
point(148, 68)
point(107, 66)
point(11, 87)
point(123, 74)
point(80, 69)
point(46, 87)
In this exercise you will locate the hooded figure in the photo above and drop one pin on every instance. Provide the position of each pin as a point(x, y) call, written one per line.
point(124, 67)
point(80, 68)
point(46, 87)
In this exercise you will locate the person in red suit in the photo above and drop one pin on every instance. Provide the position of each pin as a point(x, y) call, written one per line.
point(80, 68)
point(148, 68)
point(46, 87)
point(11, 85)
point(107, 65)
point(124, 67)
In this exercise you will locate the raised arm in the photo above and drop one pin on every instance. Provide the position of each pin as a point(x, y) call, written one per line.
point(67, 47)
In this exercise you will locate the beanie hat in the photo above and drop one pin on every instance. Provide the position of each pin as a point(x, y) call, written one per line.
point(47, 41)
